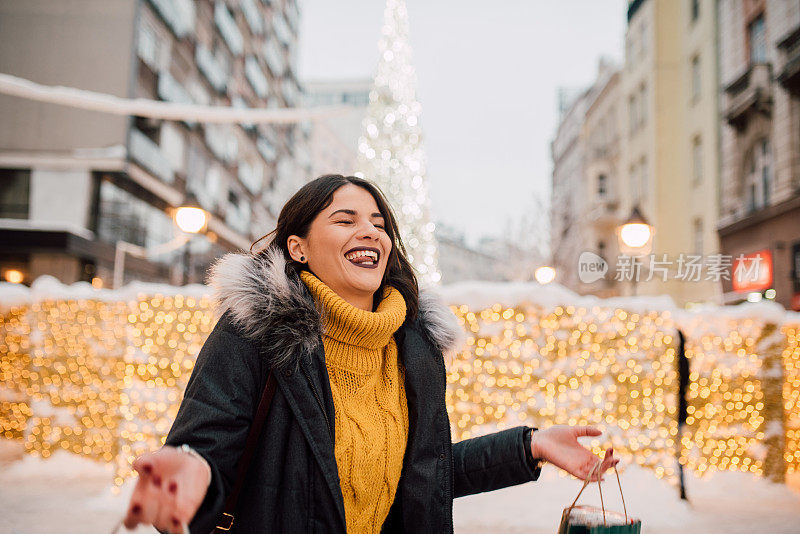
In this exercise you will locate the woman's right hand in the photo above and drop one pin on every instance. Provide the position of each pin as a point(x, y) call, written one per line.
point(171, 487)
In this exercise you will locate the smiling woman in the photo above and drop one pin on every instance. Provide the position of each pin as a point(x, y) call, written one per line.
point(331, 219)
point(358, 440)
point(347, 246)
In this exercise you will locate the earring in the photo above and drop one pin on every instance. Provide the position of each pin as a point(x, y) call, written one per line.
point(302, 258)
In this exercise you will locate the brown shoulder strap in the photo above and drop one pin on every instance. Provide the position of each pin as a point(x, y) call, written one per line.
point(226, 521)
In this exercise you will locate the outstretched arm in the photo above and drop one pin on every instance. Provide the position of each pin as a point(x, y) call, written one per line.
point(491, 462)
point(213, 419)
point(559, 445)
point(498, 460)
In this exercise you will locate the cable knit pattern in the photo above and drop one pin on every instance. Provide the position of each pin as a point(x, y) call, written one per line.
point(371, 411)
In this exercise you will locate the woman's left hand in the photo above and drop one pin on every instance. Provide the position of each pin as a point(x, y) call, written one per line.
point(559, 445)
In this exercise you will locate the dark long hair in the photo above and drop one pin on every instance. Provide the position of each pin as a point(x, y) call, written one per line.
point(300, 210)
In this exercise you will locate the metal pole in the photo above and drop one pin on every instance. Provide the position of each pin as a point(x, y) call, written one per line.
point(186, 258)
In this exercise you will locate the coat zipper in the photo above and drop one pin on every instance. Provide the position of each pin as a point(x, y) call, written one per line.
point(319, 400)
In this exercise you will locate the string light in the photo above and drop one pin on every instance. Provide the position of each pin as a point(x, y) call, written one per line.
point(104, 379)
point(97, 378)
point(791, 396)
point(574, 366)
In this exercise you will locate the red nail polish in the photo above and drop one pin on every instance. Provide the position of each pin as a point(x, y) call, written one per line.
point(157, 481)
point(136, 509)
point(173, 487)
point(147, 468)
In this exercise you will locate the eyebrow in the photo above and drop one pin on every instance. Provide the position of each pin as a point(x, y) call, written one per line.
point(353, 212)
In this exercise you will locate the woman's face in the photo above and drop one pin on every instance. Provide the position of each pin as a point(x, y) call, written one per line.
point(351, 223)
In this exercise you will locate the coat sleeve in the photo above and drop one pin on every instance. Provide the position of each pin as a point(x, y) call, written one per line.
point(215, 413)
point(491, 462)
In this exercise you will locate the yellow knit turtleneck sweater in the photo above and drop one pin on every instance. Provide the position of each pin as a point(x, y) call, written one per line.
point(371, 413)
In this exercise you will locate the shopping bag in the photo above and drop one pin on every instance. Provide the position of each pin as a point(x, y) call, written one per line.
point(593, 520)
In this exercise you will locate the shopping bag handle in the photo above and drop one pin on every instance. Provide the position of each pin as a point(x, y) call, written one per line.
point(602, 505)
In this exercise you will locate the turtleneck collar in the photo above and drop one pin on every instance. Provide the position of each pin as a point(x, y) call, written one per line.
point(354, 326)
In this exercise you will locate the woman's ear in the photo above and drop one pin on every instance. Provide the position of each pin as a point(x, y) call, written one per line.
point(296, 247)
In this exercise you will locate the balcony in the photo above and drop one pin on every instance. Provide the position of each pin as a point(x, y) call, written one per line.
point(273, 53)
point(293, 16)
point(211, 69)
point(253, 16)
point(178, 14)
point(171, 90)
point(788, 67)
point(255, 76)
point(604, 211)
point(749, 94)
point(266, 149)
point(252, 176)
point(281, 29)
point(222, 142)
point(148, 154)
point(228, 28)
point(290, 92)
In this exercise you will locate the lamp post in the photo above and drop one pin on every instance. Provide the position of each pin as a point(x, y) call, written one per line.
point(190, 218)
point(635, 238)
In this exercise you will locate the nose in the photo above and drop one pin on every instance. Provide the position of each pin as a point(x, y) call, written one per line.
point(369, 230)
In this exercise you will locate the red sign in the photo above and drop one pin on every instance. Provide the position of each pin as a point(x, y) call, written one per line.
point(795, 304)
point(752, 272)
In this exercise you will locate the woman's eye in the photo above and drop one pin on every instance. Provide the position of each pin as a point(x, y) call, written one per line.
point(351, 222)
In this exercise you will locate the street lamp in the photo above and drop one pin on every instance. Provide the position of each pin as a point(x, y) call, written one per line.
point(545, 275)
point(635, 237)
point(190, 219)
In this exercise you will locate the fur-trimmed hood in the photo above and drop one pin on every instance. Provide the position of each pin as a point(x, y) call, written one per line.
point(277, 311)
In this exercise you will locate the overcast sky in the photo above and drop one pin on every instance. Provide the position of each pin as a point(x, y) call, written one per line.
point(488, 79)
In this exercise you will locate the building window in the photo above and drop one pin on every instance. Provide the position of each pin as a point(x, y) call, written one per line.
point(643, 40)
point(757, 34)
point(633, 113)
point(695, 9)
point(758, 175)
point(148, 46)
point(15, 192)
point(633, 178)
point(123, 216)
point(698, 236)
point(642, 105)
point(643, 177)
point(602, 186)
point(697, 160)
point(696, 80)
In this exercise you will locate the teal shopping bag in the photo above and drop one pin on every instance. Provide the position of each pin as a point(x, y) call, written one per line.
point(593, 520)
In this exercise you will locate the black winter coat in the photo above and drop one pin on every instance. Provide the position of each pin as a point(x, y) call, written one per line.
point(268, 320)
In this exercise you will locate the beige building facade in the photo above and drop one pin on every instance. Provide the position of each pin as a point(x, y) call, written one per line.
point(760, 134)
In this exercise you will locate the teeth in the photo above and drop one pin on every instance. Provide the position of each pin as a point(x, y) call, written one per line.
point(360, 253)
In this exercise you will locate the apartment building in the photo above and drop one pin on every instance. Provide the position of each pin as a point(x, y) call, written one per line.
point(74, 183)
point(759, 55)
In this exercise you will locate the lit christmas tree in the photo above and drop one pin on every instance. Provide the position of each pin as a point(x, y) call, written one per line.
point(390, 150)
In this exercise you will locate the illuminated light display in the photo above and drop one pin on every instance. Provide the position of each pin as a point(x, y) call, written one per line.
point(104, 378)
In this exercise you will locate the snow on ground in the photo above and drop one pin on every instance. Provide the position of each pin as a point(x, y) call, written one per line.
point(69, 494)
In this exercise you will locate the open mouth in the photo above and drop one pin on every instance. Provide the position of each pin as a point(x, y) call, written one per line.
point(364, 258)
